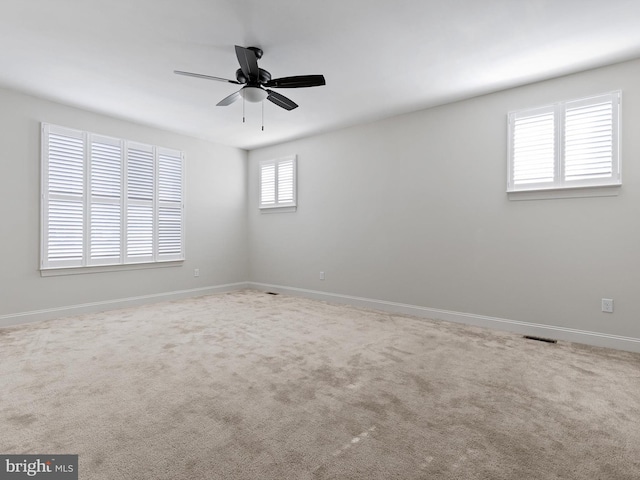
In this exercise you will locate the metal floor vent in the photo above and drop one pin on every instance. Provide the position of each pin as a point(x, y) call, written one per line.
point(540, 339)
point(272, 293)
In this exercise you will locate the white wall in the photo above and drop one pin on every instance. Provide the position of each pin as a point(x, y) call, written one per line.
point(413, 210)
point(216, 225)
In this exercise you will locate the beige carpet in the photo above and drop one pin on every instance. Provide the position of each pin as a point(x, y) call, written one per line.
point(247, 385)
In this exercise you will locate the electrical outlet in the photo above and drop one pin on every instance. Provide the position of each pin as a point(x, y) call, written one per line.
point(321, 275)
point(607, 305)
point(196, 272)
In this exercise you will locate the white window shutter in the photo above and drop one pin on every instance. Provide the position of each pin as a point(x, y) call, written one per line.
point(566, 145)
point(140, 174)
point(533, 148)
point(105, 212)
point(139, 203)
point(63, 197)
point(65, 228)
point(286, 182)
point(108, 201)
point(267, 184)
point(170, 205)
point(278, 183)
point(589, 141)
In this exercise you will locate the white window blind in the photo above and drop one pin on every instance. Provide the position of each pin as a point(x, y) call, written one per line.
point(569, 144)
point(170, 229)
point(64, 223)
point(107, 201)
point(534, 152)
point(140, 192)
point(278, 183)
point(588, 140)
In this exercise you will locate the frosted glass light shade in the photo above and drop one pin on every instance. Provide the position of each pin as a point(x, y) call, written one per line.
point(253, 94)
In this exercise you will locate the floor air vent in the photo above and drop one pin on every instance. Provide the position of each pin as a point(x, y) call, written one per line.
point(540, 339)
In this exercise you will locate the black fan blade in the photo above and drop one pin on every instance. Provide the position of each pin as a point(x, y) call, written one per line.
point(281, 100)
point(229, 100)
point(248, 63)
point(207, 77)
point(299, 81)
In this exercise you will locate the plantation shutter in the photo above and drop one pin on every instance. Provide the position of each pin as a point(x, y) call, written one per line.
point(285, 182)
point(533, 148)
point(105, 212)
point(278, 183)
point(267, 184)
point(569, 144)
point(108, 201)
point(63, 197)
point(590, 128)
point(139, 205)
point(170, 218)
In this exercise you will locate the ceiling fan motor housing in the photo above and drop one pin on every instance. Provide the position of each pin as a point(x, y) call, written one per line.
point(263, 77)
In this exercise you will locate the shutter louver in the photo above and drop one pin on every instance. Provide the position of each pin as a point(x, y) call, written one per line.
point(139, 231)
point(268, 185)
point(169, 177)
point(66, 232)
point(589, 142)
point(63, 208)
point(140, 173)
point(140, 182)
point(534, 149)
point(285, 182)
point(106, 225)
point(169, 231)
point(66, 165)
point(106, 169)
point(170, 222)
point(105, 239)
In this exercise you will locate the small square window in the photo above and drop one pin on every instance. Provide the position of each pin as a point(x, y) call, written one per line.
point(278, 183)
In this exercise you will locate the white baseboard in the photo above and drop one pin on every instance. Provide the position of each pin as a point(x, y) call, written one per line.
point(50, 313)
point(525, 328)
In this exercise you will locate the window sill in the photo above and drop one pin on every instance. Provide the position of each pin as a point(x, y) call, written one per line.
point(289, 209)
point(54, 272)
point(570, 192)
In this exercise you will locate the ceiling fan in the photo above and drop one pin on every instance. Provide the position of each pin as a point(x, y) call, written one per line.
point(257, 81)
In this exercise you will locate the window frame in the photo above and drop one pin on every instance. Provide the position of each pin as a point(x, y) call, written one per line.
point(88, 261)
point(277, 205)
point(559, 183)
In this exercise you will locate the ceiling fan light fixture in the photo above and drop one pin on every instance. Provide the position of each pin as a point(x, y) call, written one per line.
point(253, 94)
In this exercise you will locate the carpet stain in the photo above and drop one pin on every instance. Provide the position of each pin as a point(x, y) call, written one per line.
point(232, 419)
point(400, 351)
point(424, 386)
point(282, 397)
point(395, 358)
point(355, 440)
point(355, 360)
point(23, 420)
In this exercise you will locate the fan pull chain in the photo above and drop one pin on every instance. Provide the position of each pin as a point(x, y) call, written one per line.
point(262, 115)
point(243, 109)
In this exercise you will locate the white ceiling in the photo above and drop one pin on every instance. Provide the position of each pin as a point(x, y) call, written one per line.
point(379, 57)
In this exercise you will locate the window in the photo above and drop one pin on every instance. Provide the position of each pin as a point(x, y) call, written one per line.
point(278, 183)
point(569, 144)
point(107, 201)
